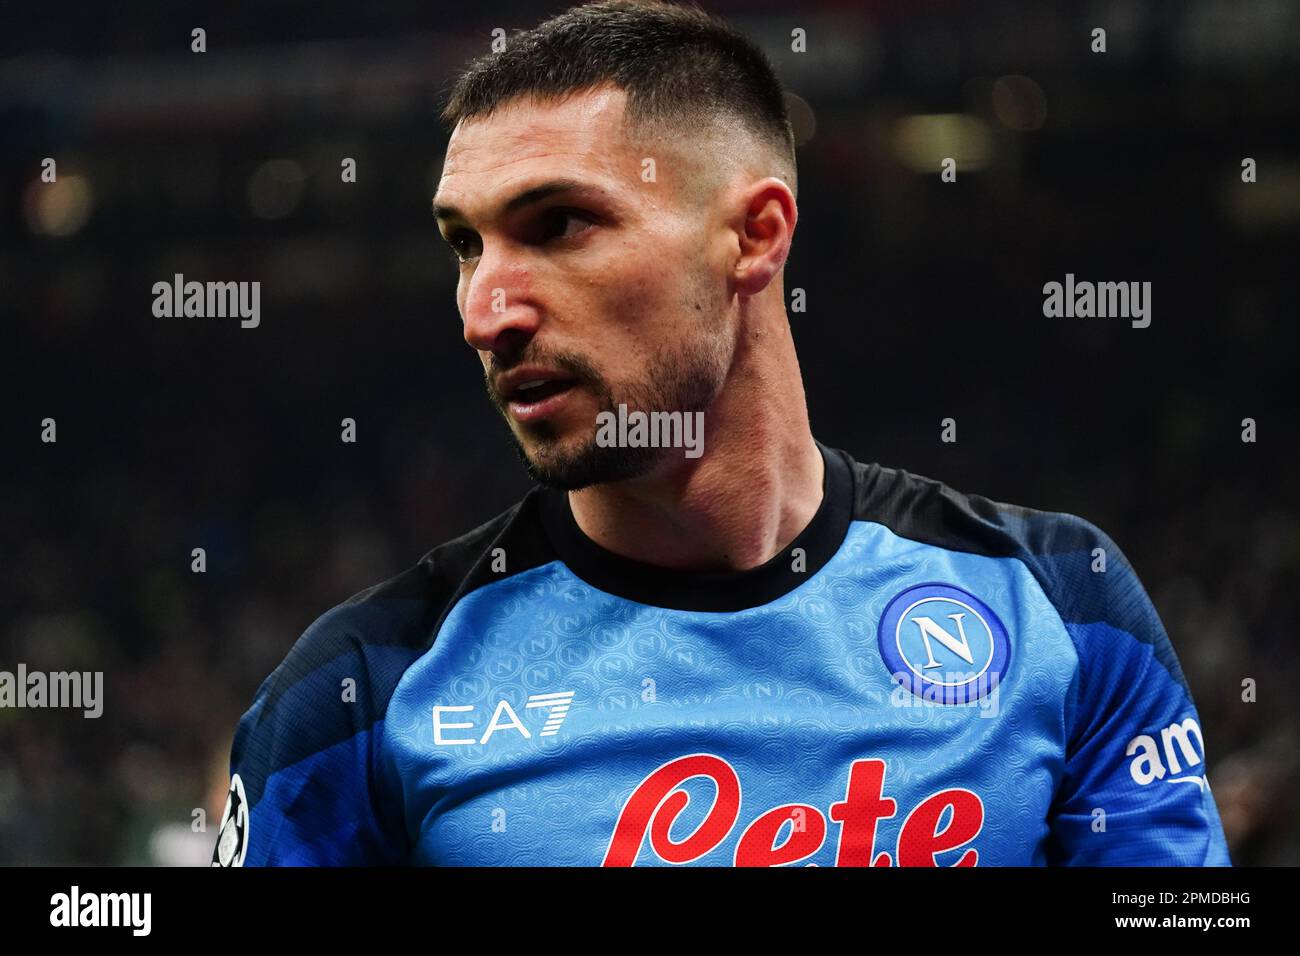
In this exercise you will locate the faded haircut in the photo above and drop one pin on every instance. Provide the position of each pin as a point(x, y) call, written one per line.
point(684, 70)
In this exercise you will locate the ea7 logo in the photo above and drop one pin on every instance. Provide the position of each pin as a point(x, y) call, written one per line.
point(1175, 741)
point(503, 718)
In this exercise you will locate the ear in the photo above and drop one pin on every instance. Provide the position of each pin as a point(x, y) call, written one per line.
point(765, 234)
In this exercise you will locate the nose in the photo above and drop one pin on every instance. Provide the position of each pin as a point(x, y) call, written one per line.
point(497, 310)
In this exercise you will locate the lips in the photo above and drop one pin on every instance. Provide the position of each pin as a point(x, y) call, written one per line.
point(537, 390)
point(534, 393)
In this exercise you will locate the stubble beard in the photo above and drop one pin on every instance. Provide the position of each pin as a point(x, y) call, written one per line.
point(686, 378)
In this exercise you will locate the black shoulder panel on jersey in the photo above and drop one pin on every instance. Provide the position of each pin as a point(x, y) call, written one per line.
point(1061, 550)
point(373, 636)
point(924, 509)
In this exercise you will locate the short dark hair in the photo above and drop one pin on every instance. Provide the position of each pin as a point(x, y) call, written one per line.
point(680, 66)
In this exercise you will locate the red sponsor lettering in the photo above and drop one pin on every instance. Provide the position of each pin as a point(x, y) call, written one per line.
point(657, 802)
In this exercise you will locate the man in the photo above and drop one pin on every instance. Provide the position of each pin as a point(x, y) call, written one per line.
point(722, 646)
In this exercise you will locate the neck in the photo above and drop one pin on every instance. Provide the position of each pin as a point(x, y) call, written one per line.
point(755, 487)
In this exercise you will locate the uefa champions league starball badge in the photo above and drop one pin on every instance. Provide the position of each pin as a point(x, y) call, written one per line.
point(232, 841)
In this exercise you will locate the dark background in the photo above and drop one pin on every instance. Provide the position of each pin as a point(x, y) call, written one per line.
point(924, 302)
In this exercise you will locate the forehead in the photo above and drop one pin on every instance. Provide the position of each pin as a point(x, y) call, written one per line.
point(580, 137)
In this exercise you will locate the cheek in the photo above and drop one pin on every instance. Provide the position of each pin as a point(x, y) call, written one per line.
point(646, 298)
point(632, 302)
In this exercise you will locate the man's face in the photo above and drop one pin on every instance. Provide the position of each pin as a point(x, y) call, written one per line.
point(583, 285)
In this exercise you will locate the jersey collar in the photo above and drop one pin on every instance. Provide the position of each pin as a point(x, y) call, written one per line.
point(707, 590)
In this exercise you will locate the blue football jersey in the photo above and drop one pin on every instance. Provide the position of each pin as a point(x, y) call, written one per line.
point(921, 678)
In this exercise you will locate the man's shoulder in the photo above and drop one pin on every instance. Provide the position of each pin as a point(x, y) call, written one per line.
point(396, 619)
point(443, 570)
point(1078, 566)
point(934, 512)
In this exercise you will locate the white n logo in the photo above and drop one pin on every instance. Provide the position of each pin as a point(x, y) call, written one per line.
point(930, 629)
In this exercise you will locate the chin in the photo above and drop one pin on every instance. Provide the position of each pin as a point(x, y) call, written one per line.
point(581, 463)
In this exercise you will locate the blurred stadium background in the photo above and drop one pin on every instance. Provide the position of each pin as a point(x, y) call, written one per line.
point(175, 434)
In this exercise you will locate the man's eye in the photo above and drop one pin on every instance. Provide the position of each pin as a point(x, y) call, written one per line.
point(460, 248)
point(559, 220)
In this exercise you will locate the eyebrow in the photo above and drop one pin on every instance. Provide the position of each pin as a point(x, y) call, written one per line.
point(530, 196)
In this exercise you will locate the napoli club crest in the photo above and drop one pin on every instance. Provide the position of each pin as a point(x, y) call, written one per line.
point(943, 644)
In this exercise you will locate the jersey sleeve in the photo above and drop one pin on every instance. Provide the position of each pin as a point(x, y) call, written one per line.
point(1134, 791)
point(310, 782)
